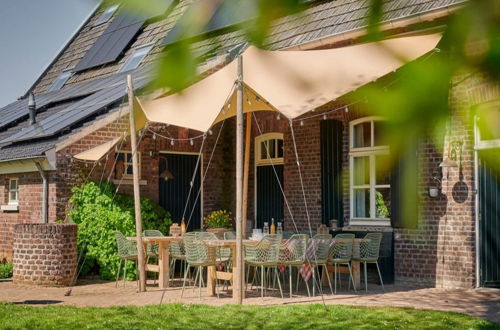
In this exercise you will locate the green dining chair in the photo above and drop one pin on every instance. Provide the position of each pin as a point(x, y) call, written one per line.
point(369, 250)
point(127, 251)
point(293, 255)
point(341, 254)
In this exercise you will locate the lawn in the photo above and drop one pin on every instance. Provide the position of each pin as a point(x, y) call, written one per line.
point(177, 316)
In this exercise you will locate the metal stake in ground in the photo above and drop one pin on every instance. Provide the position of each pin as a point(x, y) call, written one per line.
point(137, 197)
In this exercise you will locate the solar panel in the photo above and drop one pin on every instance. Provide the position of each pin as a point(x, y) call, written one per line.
point(229, 14)
point(112, 42)
point(75, 113)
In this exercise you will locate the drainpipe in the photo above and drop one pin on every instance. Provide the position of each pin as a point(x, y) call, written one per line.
point(45, 201)
point(477, 212)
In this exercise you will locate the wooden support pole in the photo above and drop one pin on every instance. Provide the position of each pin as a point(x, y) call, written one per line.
point(137, 198)
point(248, 136)
point(238, 284)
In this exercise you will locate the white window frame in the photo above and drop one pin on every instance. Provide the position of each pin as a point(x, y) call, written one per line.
point(140, 51)
point(64, 76)
point(258, 148)
point(16, 191)
point(371, 152)
point(106, 15)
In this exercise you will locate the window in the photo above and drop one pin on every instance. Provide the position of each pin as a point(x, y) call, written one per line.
point(14, 191)
point(269, 148)
point(61, 80)
point(124, 167)
point(370, 173)
point(106, 15)
point(488, 125)
point(136, 58)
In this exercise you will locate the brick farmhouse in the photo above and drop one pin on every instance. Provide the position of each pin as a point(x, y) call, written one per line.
point(441, 247)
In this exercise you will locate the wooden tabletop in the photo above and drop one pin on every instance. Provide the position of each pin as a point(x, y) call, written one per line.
point(153, 239)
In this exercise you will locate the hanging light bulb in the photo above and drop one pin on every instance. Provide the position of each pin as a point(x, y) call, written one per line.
point(301, 123)
point(278, 116)
point(324, 116)
point(191, 142)
point(210, 132)
point(346, 109)
point(248, 101)
point(150, 153)
point(154, 136)
point(99, 163)
point(172, 142)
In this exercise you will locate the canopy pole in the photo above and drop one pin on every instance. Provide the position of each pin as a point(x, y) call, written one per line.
point(246, 169)
point(137, 197)
point(238, 285)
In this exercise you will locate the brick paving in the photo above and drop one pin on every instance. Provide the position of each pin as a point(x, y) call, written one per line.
point(480, 303)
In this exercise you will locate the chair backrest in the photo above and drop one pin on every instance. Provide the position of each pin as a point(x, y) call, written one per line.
point(152, 233)
point(204, 235)
point(295, 248)
point(267, 250)
point(196, 251)
point(344, 236)
point(342, 249)
point(321, 247)
point(229, 235)
point(126, 248)
point(370, 249)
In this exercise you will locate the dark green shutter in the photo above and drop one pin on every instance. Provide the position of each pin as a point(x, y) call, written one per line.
point(331, 132)
point(404, 185)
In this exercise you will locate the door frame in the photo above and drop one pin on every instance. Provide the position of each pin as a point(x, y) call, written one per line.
point(479, 146)
point(201, 174)
point(266, 162)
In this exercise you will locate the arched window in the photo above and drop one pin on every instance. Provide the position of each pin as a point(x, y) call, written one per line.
point(369, 165)
point(269, 149)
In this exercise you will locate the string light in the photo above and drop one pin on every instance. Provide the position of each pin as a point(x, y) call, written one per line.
point(278, 117)
point(172, 142)
point(150, 153)
point(346, 109)
point(210, 132)
point(154, 136)
point(301, 123)
point(191, 142)
point(324, 116)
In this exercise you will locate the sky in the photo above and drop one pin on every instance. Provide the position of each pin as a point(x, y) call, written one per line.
point(32, 32)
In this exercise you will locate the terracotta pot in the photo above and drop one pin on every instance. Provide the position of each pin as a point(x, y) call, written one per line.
point(219, 232)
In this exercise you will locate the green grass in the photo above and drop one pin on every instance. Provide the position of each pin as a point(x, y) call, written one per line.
point(177, 316)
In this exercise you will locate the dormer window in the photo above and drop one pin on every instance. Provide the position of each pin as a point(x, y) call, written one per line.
point(106, 15)
point(136, 58)
point(61, 80)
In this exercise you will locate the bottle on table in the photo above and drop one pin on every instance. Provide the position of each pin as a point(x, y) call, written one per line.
point(183, 227)
point(273, 227)
point(279, 229)
point(265, 230)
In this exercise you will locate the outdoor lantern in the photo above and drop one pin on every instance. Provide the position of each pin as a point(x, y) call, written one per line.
point(435, 190)
point(454, 155)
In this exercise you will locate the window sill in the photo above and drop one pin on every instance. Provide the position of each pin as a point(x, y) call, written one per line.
point(370, 222)
point(129, 182)
point(10, 208)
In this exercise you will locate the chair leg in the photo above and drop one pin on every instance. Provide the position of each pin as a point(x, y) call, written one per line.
point(248, 277)
point(290, 278)
point(118, 272)
point(137, 272)
point(262, 281)
point(328, 278)
point(279, 282)
point(380, 276)
point(335, 276)
point(124, 271)
point(314, 281)
point(350, 277)
point(201, 276)
point(184, 283)
point(366, 277)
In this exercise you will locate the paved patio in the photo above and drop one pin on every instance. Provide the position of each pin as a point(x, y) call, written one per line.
point(479, 303)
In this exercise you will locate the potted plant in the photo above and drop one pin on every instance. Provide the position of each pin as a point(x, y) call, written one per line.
point(218, 222)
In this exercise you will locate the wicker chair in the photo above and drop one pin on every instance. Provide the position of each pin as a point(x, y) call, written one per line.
point(264, 254)
point(127, 250)
point(321, 244)
point(369, 253)
point(341, 254)
point(198, 255)
point(293, 254)
point(229, 235)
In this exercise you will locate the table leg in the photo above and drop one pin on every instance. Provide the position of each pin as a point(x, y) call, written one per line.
point(356, 273)
point(211, 280)
point(164, 264)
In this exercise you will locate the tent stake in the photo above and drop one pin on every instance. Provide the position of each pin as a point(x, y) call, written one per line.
point(137, 197)
point(238, 285)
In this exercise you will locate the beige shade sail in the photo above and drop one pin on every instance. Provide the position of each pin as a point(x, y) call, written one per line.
point(292, 82)
point(96, 153)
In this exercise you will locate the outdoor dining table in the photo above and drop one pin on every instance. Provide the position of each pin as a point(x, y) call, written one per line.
point(163, 267)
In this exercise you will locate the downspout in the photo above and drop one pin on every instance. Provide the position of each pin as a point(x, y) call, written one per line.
point(477, 212)
point(45, 190)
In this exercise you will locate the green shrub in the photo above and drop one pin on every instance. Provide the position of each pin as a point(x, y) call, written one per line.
point(5, 270)
point(99, 213)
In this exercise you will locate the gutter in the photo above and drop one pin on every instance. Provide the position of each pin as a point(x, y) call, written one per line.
point(45, 191)
point(361, 32)
point(35, 159)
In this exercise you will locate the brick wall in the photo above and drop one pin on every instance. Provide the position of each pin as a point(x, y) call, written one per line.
point(45, 254)
point(30, 206)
